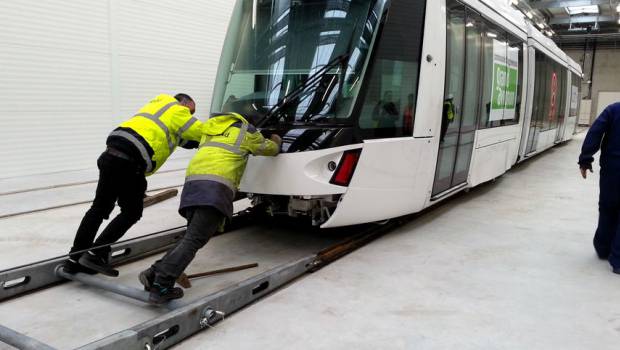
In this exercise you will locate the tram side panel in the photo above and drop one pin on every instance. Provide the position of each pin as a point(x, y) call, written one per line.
point(550, 98)
point(394, 177)
point(571, 117)
point(574, 96)
point(498, 136)
point(529, 98)
point(567, 122)
point(489, 98)
point(500, 130)
point(395, 172)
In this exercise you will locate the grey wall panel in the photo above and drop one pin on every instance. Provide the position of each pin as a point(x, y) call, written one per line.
point(70, 71)
point(604, 74)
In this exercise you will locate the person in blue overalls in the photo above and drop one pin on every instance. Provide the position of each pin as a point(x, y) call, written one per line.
point(604, 134)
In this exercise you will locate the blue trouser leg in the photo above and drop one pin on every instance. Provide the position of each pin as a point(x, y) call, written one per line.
point(609, 211)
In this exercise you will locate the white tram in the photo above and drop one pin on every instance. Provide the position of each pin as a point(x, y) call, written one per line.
point(388, 107)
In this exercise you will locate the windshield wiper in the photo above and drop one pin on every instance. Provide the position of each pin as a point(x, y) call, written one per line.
point(313, 79)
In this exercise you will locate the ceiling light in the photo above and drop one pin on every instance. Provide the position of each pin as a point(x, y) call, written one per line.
point(529, 15)
point(515, 2)
point(540, 25)
point(577, 10)
point(618, 21)
point(491, 35)
point(618, 8)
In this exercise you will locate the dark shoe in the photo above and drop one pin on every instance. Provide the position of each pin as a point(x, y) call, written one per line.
point(147, 277)
point(602, 255)
point(616, 270)
point(71, 266)
point(161, 295)
point(602, 250)
point(98, 264)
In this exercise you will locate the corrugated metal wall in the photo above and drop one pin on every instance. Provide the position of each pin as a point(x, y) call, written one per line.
point(70, 71)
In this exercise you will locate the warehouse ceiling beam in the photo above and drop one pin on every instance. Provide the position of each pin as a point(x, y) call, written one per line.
point(566, 3)
point(582, 19)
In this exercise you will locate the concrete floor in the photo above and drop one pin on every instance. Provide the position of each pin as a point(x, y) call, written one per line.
point(509, 265)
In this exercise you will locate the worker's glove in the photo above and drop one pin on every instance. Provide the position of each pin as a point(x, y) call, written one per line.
point(277, 139)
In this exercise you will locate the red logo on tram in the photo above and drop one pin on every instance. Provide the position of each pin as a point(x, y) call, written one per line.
point(554, 95)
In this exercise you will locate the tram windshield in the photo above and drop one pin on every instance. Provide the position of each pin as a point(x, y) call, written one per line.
point(295, 61)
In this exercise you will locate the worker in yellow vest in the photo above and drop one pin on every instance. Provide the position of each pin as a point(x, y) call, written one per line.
point(136, 149)
point(212, 179)
point(447, 116)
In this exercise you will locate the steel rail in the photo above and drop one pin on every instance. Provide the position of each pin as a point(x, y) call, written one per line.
point(28, 278)
point(99, 246)
point(188, 319)
point(116, 288)
point(172, 328)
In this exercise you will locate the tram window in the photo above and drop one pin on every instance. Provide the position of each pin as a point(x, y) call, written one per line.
point(546, 78)
point(455, 74)
point(389, 102)
point(561, 98)
point(575, 95)
point(538, 111)
point(471, 95)
point(558, 90)
point(516, 45)
point(549, 93)
point(575, 103)
point(502, 77)
point(553, 81)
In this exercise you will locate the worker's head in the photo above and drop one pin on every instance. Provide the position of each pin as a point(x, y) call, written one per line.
point(187, 101)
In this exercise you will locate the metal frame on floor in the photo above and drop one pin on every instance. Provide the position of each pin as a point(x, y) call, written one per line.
point(186, 319)
point(27, 278)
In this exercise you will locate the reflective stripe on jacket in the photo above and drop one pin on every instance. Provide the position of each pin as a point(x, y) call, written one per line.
point(224, 148)
point(163, 123)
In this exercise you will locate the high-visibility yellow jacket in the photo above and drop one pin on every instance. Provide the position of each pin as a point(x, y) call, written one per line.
point(448, 109)
point(163, 123)
point(214, 173)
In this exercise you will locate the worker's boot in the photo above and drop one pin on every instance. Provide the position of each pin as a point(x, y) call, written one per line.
point(97, 263)
point(72, 266)
point(161, 295)
point(147, 277)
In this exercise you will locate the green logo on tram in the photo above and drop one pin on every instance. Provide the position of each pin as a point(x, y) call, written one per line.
point(504, 87)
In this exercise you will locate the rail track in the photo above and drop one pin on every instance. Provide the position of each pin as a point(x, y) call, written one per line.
point(183, 318)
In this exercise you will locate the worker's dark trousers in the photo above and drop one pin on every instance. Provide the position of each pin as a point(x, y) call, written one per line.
point(202, 223)
point(607, 237)
point(119, 179)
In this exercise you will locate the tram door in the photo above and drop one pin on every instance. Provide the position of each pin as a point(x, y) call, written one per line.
point(460, 98)
point(560, 88)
